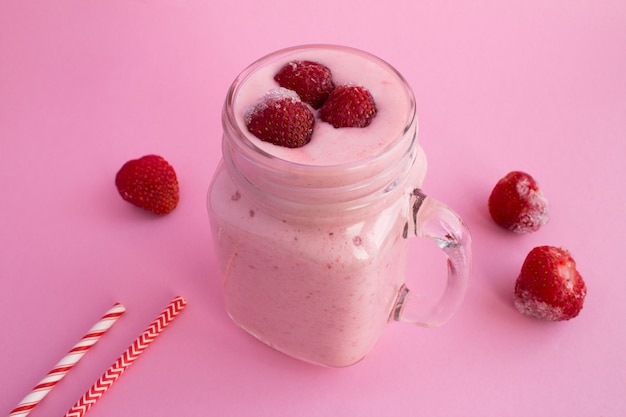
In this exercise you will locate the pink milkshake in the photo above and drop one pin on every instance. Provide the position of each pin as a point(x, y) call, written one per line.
point(313, 241)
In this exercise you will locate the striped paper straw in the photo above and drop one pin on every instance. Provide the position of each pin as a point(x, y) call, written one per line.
point(68, 361)
point(126, 359)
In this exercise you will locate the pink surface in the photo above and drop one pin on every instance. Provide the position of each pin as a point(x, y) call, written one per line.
point(84, 86)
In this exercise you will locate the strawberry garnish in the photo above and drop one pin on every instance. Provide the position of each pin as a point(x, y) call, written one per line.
point(549, 287)
point(149, 183)
point(516, 203)
point(349, 106)
point(281, 118)
point(312, 81)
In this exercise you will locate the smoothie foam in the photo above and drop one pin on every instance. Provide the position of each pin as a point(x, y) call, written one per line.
point(330, 146)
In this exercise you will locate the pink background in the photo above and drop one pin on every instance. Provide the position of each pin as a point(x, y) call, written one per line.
point(501, 85)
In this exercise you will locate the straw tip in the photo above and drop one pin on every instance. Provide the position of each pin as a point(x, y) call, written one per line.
point(118, 307)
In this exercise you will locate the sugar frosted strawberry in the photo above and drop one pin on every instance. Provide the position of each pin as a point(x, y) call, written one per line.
point(149, 183)
point(517, 204)
point(549, 286)
point(312, 81)
point(349, 105)
point(281, 118)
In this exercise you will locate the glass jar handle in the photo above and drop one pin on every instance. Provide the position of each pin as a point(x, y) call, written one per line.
point(434, 220)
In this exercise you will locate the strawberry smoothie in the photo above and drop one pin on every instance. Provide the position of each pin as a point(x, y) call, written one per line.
point(312, 241)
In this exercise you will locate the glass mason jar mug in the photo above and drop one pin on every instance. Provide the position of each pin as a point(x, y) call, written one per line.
point(313, 243)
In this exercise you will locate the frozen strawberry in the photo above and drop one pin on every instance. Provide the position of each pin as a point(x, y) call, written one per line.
point(349, 105)
point(516, 203)
point(281, 118)
point(149, 183)
point(549, 287)
point(312, 81)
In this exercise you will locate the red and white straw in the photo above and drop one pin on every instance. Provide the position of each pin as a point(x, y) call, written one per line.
point(67, 362)
point(126, 359)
